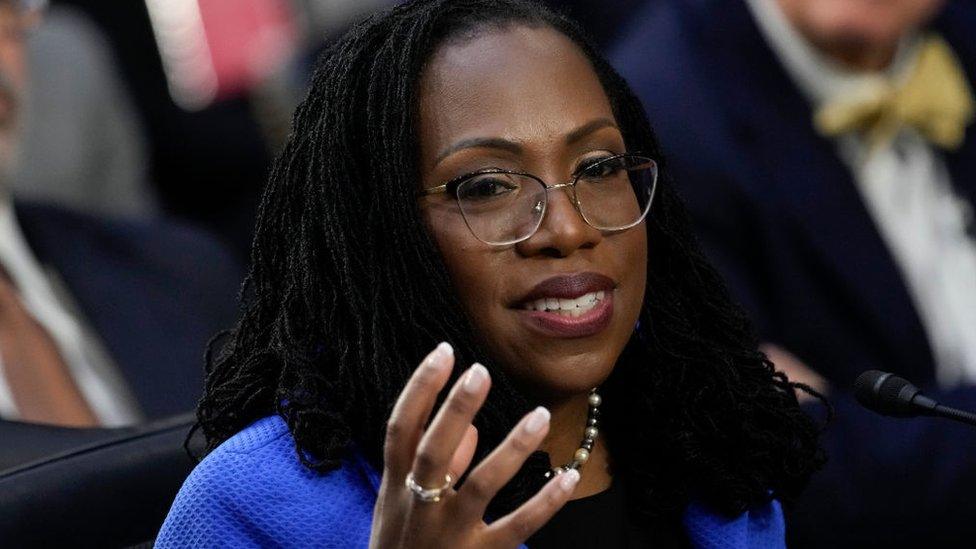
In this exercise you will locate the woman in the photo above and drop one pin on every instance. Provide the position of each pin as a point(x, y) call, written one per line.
point(471, 171)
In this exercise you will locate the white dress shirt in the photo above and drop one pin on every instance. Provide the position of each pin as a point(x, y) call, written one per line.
point(46, 299)
point(907, 191)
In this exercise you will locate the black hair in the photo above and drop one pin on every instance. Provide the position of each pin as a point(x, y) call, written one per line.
point(347, 292)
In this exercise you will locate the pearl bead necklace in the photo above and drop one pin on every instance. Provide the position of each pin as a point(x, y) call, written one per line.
point(582, 454)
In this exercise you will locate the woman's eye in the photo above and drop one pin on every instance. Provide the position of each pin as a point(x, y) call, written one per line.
point(486, 187)
point(603, 167)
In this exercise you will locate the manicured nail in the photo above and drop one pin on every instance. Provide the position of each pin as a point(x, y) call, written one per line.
point(538, 419)
point(445, 349)
point(568, 480)
point(437, 359)
point(477, 375)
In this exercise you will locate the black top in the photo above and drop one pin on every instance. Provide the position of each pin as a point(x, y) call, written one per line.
point(601, 520)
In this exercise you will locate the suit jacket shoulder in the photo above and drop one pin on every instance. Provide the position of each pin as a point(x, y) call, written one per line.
point(157, 245)
point(155, 293)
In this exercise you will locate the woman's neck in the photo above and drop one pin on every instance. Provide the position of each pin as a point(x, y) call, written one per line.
point(565, 433)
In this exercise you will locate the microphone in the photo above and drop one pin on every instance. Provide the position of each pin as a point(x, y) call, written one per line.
point(890, 395)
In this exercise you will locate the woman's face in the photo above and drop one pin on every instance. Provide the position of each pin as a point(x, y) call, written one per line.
point(528, 100)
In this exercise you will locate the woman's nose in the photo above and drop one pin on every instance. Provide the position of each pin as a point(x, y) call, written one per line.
point(563, 230)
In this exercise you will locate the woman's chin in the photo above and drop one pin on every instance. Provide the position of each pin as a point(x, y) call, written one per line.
point(559, 378)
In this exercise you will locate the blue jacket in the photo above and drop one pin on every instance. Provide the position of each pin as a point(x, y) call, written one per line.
point(779, 214)
point(253, 492)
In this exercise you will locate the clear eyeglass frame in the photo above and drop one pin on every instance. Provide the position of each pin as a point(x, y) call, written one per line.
point(646, 163)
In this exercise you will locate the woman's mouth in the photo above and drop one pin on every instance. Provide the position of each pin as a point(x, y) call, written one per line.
point(569, 306)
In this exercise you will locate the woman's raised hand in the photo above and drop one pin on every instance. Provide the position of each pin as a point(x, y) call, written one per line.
point(431, 459)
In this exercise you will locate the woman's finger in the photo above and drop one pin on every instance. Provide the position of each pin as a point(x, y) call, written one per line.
point(443, 436)
point(413, 407)
point(465, 451)
point(516, 527)
point(502, 463)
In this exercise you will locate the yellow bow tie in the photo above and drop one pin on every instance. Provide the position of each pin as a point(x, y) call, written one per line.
point(935, 99)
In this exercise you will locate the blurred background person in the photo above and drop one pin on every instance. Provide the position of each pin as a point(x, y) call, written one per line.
point(827, 151)
point(82, 144)
point(102, 323)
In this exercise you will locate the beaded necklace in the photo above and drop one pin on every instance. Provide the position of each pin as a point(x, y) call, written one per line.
point(589, 438)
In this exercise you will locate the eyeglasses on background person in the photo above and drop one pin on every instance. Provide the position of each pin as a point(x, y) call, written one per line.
point(504, 207)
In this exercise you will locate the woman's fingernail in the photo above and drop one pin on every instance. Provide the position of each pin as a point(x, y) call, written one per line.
point(537, 420)
point(437, 359)
point(477, 375)
point(568, 480)
point(444, 349)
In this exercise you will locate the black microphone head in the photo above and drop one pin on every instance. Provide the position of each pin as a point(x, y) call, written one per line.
point(886, 394)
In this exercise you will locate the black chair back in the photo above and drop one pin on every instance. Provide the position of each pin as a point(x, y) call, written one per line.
point(110, 492)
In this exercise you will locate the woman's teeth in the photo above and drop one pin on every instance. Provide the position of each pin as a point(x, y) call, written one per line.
point(567, 307)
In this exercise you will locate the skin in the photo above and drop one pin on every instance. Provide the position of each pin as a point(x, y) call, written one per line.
point(532, 88)
point(862, 34)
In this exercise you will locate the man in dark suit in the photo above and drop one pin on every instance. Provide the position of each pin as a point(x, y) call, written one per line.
point(153, 294)
point(827, 152)
point(102, 324)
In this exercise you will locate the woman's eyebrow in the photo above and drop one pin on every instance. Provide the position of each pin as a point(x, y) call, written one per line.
point(588, 128)
point(476, 142)
point(513, 147)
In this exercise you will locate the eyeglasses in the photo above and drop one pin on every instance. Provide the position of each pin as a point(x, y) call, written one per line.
point(503, 207)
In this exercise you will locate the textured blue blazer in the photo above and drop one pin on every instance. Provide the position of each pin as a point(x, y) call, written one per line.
point(253, 492)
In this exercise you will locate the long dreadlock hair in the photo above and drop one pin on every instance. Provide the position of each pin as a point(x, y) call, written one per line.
point(347, 292)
